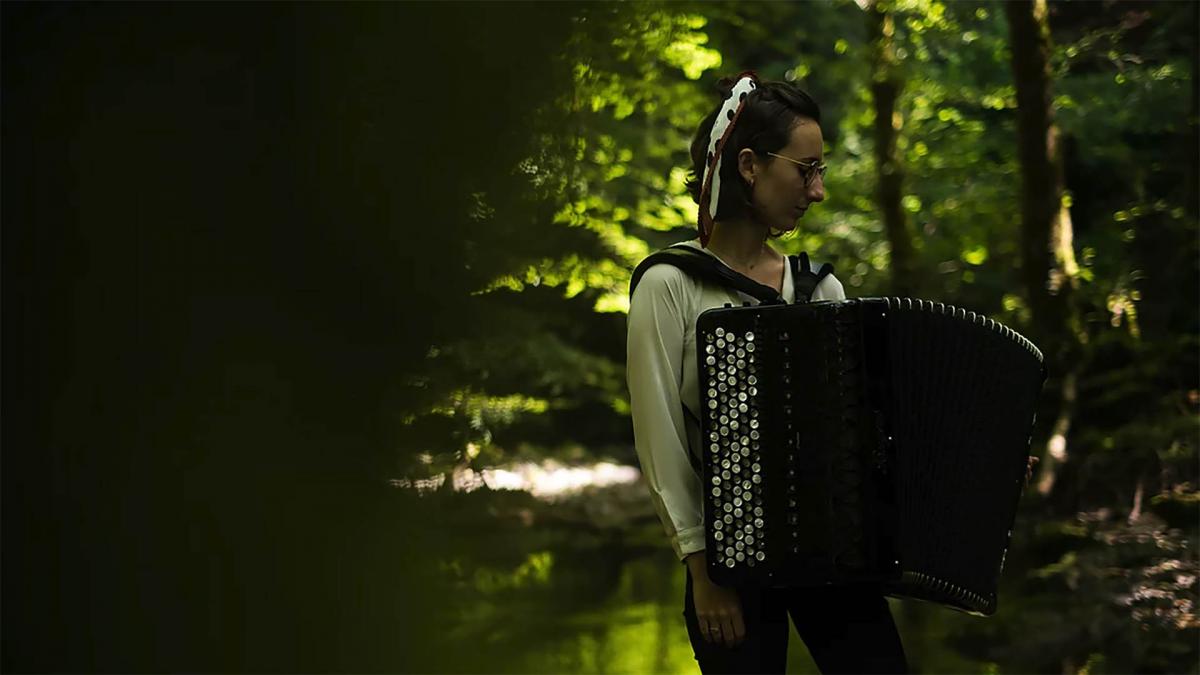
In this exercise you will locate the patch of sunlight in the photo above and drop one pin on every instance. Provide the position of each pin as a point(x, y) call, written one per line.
point(1065, 564)
point(628, 634)
point(949, 115)
point(669, 213)
point(620, 405)
point(535, 571)
point(574, 274)
point(547, 480)
point(1122, 305)
point(994, 102)
point(551, 479)
point(646, 639)
point(678, 179)
point(798, 73)
point(1094, 660)
point(1163, 73)
point(505, 281)
point(1058, 447)
point(420, 485)
point(612, 302)
point(503, 407)
point(691, 57)
point(579, 214)
point(976, 255)
point(1064, 102)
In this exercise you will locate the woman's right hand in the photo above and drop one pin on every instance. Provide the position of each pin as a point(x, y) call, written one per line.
point(718, 610)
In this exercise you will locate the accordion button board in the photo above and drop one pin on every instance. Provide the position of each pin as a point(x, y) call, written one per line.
point(873, 440)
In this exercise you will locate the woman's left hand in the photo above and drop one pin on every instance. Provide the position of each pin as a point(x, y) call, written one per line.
point(1029, 468)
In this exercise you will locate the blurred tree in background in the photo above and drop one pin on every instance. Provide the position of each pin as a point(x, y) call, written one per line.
point(261, 261)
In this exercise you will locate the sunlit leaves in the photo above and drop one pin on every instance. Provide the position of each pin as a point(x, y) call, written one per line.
point(617, 175)
point(534, 570)
point(975, 255)
point(688, 54)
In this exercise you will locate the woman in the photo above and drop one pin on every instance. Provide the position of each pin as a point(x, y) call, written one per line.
point(756, 169)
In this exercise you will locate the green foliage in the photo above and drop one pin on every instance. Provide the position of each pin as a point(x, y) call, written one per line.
point(600, 184)
point(603, 170)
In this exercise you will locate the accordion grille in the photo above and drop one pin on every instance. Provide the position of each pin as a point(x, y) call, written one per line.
point(963, 394)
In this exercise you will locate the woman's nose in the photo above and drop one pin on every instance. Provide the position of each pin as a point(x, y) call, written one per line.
point(816, 189)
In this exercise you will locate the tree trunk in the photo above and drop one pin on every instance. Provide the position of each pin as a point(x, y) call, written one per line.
point(1049, 270)
point(886, 85)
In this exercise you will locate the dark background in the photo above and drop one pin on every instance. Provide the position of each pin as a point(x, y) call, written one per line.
point(213, 220)
point(243, 249)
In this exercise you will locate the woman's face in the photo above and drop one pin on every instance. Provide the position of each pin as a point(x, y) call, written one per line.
point(780, 194)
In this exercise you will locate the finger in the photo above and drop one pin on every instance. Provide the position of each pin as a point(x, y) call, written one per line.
point(728, 632)
point(712, 632)
point(739, 627)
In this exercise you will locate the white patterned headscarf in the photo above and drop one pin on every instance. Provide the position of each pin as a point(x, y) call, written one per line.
point(722, 128)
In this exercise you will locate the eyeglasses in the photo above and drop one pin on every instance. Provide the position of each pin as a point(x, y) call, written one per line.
point(807, 169)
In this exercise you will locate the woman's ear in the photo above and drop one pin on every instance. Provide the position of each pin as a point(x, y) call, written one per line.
point(747, 166)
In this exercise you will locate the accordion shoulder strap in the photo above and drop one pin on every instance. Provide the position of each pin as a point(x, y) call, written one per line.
point(701, 265)
point(804, 277)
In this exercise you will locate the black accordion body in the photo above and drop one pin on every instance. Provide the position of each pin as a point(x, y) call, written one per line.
point(878, 440)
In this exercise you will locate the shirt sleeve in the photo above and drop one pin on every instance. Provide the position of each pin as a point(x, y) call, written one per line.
point(654, 372)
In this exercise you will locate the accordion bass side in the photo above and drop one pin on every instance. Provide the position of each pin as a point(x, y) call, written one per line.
point(878, 440)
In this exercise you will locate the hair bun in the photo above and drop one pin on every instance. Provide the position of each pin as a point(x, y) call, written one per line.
point(725, 86)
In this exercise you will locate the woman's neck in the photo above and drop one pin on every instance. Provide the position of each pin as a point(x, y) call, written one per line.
point(741, 244)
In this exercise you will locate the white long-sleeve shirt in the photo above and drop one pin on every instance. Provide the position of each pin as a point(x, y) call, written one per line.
point(664, 388)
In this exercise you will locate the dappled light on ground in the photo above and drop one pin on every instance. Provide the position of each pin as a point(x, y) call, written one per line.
point(548, 480)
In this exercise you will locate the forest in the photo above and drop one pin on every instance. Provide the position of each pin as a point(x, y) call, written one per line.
point(315, 317)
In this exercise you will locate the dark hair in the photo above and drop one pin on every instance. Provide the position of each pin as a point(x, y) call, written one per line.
point(765, 124)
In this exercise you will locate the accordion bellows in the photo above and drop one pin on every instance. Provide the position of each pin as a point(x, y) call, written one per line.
point(878, 440)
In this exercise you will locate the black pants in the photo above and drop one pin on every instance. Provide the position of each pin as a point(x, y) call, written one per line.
point(847, 629)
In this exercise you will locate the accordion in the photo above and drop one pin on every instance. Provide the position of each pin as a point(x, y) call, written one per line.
point(878, 440)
